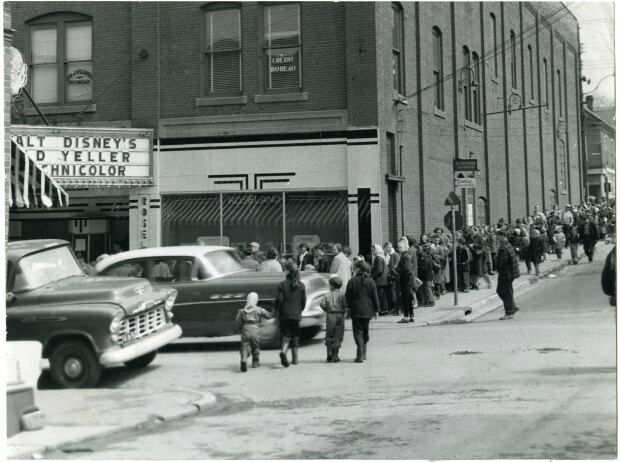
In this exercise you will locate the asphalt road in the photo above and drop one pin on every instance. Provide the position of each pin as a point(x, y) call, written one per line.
point(540, 386)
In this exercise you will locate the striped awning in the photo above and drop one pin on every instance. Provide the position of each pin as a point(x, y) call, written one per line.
point(30, 186)
point(322, 211)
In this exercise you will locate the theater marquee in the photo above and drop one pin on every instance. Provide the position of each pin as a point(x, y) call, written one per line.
point(89, 156)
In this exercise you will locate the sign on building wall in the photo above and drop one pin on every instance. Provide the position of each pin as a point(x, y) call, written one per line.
point(83, 156)
point(143, 221)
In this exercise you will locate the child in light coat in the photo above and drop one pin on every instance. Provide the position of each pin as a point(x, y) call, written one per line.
point(248, 322)
point(559, 240)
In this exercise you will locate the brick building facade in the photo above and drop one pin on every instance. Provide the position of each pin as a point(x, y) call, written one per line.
point(286, 118)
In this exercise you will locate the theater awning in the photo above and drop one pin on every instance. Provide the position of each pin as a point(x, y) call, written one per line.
point(30, 186)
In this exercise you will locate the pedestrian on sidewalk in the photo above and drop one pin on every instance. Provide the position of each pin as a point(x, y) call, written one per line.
point(589, 235)
point(534, 253)
point(333, 304)
point(406, 271)
point(248, 323)
point(559, 241)
point(573, 242)
point(463, 261)
point(379, 274)
point(341, 266)
point(568, 221)
point(508, 270)
point(290, 302)
point(363, 302)
point(425, 273)
point(393, 290)
point(271, 264)
point(248, 260)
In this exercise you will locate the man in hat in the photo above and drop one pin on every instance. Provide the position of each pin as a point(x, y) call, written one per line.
point(508, 270)
point(256, 252)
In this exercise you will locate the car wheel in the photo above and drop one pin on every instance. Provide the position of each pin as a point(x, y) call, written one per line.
point(141, 361)
point(73, 364)
point(309, 332)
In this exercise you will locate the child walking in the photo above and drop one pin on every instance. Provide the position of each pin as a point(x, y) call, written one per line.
point(248, 322)
point(333, 304)
point(559, 240)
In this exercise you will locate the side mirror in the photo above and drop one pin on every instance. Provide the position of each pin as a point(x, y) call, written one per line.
point(10, 298)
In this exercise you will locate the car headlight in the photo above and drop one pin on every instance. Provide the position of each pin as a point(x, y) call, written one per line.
point(170, 300)
point(115, 325)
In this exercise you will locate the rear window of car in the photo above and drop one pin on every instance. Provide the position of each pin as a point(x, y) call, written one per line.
point(224, 261)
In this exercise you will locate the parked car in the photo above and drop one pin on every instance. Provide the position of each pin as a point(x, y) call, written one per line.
point(84, 323)
point(212, 286)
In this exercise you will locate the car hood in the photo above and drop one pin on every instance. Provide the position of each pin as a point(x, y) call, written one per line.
point(127, 293)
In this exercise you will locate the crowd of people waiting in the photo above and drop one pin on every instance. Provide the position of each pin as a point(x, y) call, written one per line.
point(417, 272)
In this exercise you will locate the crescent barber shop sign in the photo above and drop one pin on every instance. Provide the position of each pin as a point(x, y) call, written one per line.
point(84, 156)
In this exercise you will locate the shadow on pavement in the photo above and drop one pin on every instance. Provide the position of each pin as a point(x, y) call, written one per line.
point(111, 377)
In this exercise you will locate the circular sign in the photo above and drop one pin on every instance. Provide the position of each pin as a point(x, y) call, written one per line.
point(79, 77)
point(19, 70)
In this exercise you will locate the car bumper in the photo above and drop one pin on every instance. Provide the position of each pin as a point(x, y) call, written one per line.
point(141, 347)
point(311, 321)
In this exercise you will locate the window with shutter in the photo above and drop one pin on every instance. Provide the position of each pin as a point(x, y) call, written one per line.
point(223, 51)
point(60, 58)
point(282, 47)
point(438, 68)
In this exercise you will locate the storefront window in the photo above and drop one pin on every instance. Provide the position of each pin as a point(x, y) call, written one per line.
point(275, 219)
point(252, 217)
point(316, 217)
point(188, 220)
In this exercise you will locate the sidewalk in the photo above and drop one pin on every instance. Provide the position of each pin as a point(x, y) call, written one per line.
point(107, 411)
point(476, 303)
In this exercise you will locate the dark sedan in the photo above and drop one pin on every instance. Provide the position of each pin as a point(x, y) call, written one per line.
point(212, 286)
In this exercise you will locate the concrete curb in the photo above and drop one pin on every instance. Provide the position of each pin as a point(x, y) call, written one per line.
point(18, 449)
point(493, 302)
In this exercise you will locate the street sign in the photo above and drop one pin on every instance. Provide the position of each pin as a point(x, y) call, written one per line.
point(468, 183)
point(458, 218)
point(452, 199)
point(465, 165)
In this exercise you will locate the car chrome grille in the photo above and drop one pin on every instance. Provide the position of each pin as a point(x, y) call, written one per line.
point(141, 325)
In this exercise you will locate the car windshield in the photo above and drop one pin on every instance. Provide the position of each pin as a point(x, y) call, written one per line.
point(42, 268)
point(224, 261)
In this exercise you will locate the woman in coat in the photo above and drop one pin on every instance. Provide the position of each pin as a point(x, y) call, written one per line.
point(290, 302)
point(363, 302)
point(535, 252)
point(379, 274)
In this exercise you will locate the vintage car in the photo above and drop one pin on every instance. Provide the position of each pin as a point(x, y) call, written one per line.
point(212, 286)
point(84, 323)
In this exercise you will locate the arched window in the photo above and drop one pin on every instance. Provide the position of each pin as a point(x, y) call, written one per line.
point(398, 47)
point(222, 48)
point(495, 50)
point(59, 54)
point(475, 87)
point(481, 211)
point(438, 67)
point(513, 59)
point(466, 76)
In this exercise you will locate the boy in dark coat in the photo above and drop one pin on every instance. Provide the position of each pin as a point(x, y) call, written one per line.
point(589, 235)
point(248, 322)
point(363, 302)
point(333, 304)
point(534, 253)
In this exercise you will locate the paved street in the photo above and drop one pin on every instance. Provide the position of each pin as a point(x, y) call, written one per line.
point(540, 386)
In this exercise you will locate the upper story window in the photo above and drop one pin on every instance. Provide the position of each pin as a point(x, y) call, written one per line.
point(438, 68)
point(223, 50)
point(546, 81)
point(466, 76)
point(513, 59)
point(282, 46)
point(495, 50)
point(531, 58)
point(559, 86)
point(398, 46)
point(59, 51)
point(475, 87)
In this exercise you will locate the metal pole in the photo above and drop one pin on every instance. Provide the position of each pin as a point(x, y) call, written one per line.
point(454, 275)
point(35, 106)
